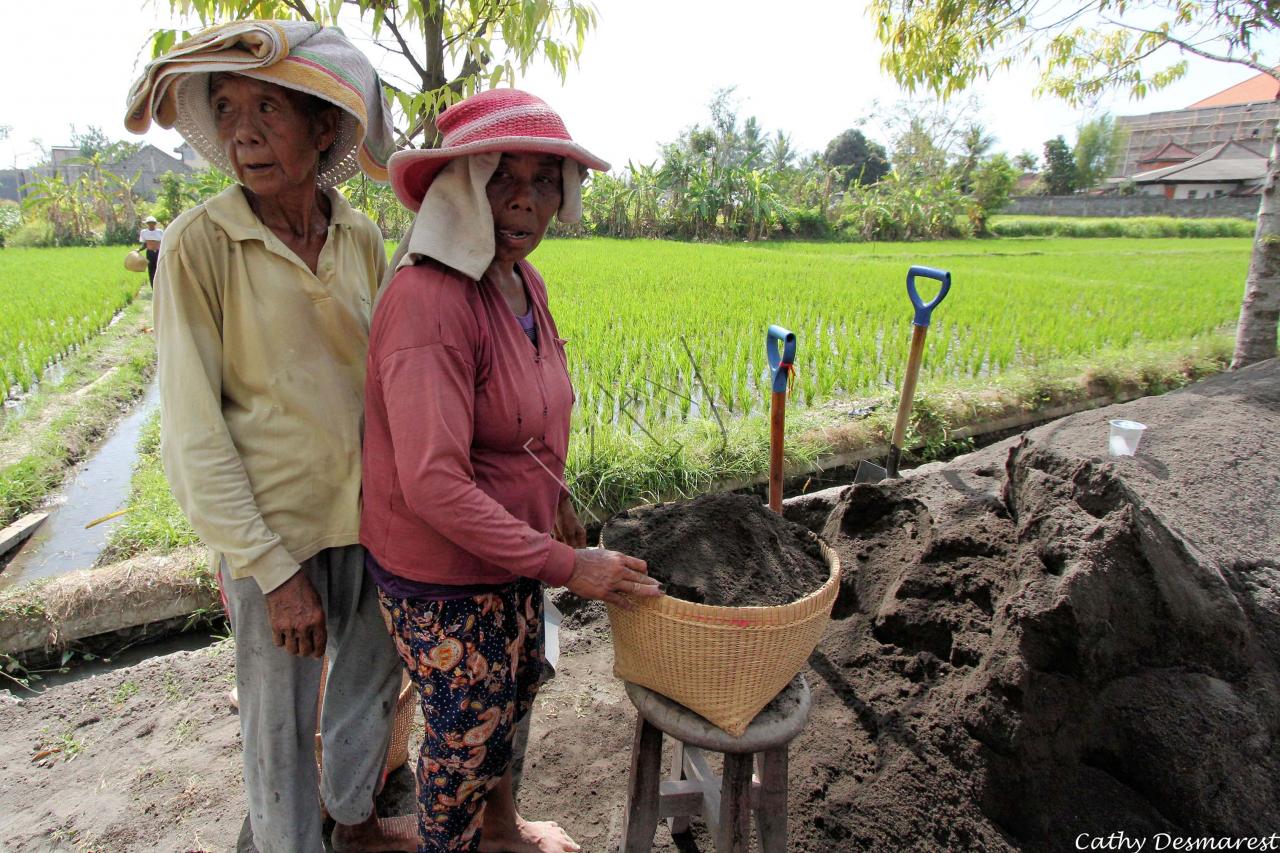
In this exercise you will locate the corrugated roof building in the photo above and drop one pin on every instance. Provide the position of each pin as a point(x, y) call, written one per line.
point(1246, 112)
point(1232, 168)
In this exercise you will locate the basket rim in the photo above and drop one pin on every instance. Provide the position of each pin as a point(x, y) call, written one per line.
point(754, 616)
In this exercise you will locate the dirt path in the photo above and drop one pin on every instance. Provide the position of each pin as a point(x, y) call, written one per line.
point(150, 755)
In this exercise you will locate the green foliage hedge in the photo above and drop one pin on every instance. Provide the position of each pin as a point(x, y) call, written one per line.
point(10, 219)
point(1137, 226)
point(33, 234)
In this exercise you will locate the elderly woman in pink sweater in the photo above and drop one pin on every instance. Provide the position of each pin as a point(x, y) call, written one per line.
point(467, 412)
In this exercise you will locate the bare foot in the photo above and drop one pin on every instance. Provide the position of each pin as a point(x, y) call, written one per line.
point(377, 835)
point(531, 836)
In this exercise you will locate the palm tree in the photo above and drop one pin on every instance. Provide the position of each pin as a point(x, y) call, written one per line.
point(975, 144)
point(62, 206)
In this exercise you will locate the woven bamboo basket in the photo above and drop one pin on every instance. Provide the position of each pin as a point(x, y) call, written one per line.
point(725, 663)
point(401, 725)
point(135, 262)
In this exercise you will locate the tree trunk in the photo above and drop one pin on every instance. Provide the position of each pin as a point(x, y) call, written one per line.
point(433, 65)
point(1260, 310)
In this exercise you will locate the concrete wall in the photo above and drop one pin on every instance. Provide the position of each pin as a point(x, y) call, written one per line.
point(1202, 190)
point(1133, 205)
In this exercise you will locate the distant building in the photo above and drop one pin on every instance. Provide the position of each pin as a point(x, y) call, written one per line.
point(144, 168)
point(149, 163)
point(1232, 168)
point(1025, 184)
point(1246, 112)
point(1171, 154)
point(191, 156)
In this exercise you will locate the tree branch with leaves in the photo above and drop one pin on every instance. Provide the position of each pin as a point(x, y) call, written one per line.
point(453, 48)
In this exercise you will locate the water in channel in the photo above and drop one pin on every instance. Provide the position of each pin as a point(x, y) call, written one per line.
point(100, 486)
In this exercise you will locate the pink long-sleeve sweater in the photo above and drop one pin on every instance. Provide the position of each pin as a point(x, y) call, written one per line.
point(466, 432)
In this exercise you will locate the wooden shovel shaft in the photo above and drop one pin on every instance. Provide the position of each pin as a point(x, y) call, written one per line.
point(777, 425)
point(908, 392)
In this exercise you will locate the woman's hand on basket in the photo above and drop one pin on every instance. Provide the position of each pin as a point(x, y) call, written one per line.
point(604, 575)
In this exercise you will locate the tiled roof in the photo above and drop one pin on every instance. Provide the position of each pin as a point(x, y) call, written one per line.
point(1230, 161)
point(1168, 152)
point(1261, 87)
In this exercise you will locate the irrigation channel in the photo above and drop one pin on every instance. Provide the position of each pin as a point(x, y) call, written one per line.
point(99, 486)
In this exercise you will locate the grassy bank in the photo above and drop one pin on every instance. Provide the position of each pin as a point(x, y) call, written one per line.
point(153, 523)
point(61, 423)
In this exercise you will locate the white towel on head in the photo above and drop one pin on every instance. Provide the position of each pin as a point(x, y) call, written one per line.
point(571, 178)
point(455, 223)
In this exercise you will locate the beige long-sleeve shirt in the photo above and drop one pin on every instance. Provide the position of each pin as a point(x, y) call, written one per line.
point(262, 368)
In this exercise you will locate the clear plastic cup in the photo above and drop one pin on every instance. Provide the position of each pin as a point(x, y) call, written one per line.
point(1125, 436)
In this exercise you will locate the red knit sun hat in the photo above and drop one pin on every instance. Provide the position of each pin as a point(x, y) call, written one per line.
point(496, 120)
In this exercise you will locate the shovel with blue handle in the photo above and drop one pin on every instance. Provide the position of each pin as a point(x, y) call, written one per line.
point(869, 472)
point(780, 346)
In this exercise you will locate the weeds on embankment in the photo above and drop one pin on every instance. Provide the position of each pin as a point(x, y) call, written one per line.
point(153, 523)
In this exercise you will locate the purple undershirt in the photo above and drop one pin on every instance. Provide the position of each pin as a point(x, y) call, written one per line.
point(396, 586)
point(530, 327)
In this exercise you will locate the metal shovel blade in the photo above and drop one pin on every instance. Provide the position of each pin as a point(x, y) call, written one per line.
point(869, 472)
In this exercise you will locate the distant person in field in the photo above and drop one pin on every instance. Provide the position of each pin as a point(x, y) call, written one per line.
point(149, 237)
point(466, 430)
point(262, 303)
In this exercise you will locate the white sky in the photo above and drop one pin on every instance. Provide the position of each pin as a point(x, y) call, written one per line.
point(808, 67)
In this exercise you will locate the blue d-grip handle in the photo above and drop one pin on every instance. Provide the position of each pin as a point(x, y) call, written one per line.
point(780, 345)
point(923, 310)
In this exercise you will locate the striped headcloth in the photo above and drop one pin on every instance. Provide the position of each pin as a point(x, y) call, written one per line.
point(299, 55)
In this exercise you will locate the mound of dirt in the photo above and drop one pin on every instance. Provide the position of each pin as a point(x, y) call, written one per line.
point(722, 549)
point(1039, 641)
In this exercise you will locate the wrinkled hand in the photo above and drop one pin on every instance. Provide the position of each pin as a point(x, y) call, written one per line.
point(297, 619)
point(568, 529)
point(604, 575)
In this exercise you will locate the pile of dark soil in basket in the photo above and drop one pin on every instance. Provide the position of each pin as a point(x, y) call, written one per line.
point(721, 549)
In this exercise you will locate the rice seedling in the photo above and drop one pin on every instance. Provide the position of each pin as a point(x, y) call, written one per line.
point(625, 307)
point(52, 300)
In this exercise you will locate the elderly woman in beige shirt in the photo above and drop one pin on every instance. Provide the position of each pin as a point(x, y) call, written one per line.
point(262, 305)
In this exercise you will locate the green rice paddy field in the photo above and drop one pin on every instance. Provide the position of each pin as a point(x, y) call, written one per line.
point(52, 300)
point(626, 307)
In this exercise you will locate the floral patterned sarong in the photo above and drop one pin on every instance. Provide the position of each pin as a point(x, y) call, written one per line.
point(476, 663)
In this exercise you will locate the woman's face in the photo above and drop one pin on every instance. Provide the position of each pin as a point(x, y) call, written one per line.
point(273, 144)
point(524, 194)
